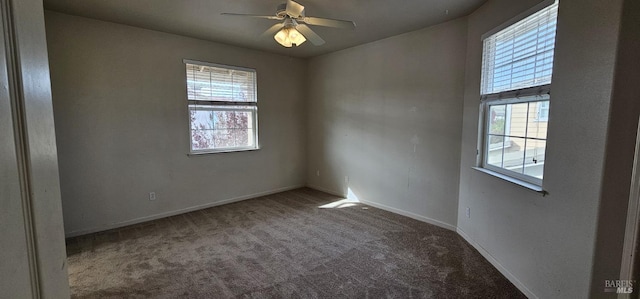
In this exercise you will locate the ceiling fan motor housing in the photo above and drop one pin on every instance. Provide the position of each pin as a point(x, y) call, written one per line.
point(281, 11)
point(289, 23)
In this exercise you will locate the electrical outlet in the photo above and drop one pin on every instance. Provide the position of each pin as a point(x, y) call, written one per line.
point(152, 196)
point(317, 172)
point(468, 212)
point(346, 179)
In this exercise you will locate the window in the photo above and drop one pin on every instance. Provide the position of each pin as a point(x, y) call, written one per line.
point(517, 68)
point(543, 111)
point(223, 108)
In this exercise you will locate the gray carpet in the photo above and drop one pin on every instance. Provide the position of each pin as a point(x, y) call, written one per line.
point(282, 246)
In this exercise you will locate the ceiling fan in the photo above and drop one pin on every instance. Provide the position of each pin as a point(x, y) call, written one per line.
point(293, 30)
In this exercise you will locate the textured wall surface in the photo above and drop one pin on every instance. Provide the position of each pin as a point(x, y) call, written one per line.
point(119, 98)
point(388, 116)
point(621, 141)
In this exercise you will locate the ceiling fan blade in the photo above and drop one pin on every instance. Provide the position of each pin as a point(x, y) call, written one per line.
point(310, 35)
point(328, 22)
point(294, 9)
point(271, 31)
point(250, 16)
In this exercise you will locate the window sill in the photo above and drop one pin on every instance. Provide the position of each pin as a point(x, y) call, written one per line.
point(231, 150)
point(512, 180)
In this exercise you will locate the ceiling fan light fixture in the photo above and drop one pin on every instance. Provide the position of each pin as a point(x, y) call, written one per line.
point(289, 36)
point(289, 33)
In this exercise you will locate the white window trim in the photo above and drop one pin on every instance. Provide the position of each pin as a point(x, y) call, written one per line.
point(508, 97)
point(518, 96)
point(254, 123)
point(510, 179)
point(209, 105)
point(518, 18)
point(232, 67)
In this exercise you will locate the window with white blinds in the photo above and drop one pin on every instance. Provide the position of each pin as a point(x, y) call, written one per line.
point(223, 111)
point(517, 68)
point(521, 55)
point(220, 83)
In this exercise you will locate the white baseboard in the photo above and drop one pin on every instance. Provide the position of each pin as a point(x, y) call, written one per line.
point(391, 209)
point(176, 212)
point(328, 191)
point(411, 215)
point(497, 264)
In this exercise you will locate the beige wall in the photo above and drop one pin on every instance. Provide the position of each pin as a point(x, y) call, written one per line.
point(546, 244)
point(388, 115)
point(119, 99)
point(623, 122)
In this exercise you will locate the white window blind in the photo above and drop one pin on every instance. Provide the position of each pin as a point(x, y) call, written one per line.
point(217, 83)
point(520, 56)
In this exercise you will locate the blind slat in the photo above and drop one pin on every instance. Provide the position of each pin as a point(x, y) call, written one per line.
point(520, 55)
point(216, 83)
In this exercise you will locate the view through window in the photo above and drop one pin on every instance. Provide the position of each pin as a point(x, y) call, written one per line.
point(222, 107)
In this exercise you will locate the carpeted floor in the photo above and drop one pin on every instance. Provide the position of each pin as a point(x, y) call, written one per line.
point(282, 246)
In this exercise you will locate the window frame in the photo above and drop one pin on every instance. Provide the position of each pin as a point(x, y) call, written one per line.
point(539, 114)
point(522, 97)
point(513, 96)
point(220, 106)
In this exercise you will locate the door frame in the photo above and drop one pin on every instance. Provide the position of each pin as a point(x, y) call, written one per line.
point(630, 245)
point(37, 230)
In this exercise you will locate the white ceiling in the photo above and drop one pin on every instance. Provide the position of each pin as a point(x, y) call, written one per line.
point(375, 19)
